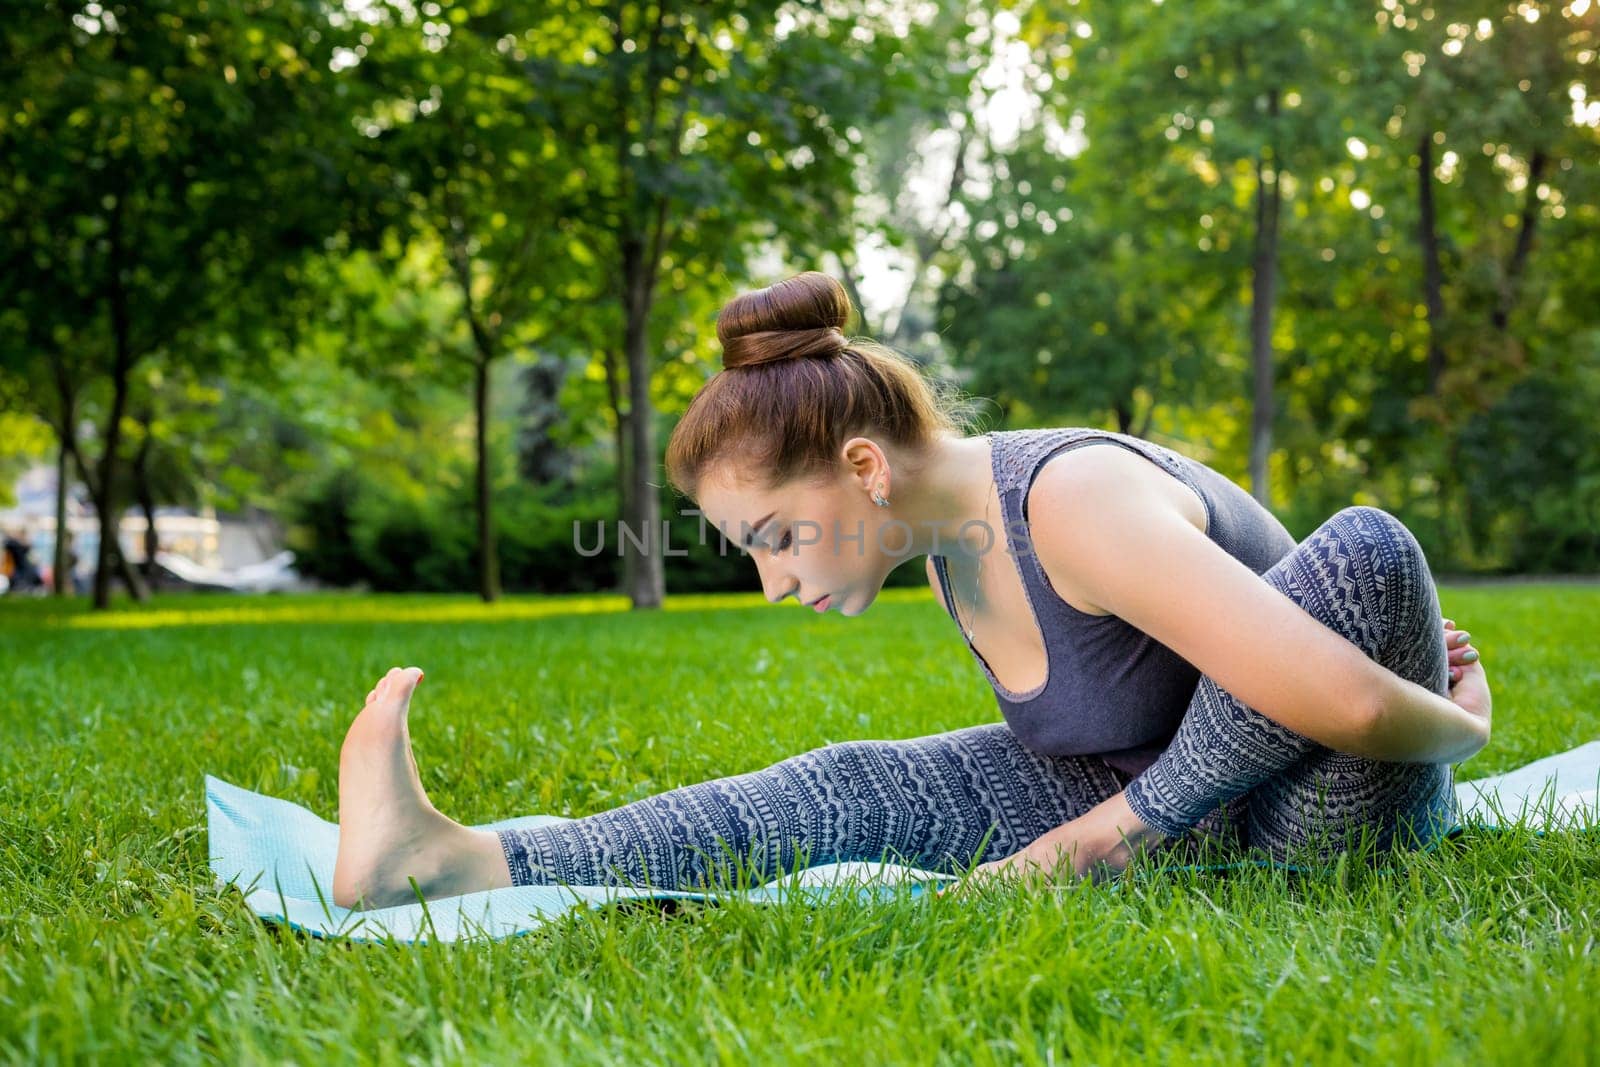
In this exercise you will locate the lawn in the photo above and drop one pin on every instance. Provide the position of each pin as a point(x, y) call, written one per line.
point(115, 945)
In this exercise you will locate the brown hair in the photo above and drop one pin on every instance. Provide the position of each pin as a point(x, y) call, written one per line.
point(793, 388)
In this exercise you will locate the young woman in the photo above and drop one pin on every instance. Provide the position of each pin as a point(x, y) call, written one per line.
point(1172, 668)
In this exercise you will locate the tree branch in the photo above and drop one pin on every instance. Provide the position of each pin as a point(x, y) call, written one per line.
point(930, 242)
point(1524, 245)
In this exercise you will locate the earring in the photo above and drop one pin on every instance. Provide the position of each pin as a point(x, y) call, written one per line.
point(878, 498)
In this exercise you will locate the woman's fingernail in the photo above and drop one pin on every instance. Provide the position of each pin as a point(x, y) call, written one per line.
point(1461, 638)
point(1470, 656)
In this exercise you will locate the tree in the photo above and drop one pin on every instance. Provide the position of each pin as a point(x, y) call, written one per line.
point(465, 150)
point(693, 132)
point(139, 209)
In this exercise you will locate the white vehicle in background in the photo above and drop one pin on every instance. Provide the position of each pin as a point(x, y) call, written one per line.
point(270, 575)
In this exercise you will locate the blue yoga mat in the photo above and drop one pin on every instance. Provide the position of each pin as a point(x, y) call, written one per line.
point(281, 857)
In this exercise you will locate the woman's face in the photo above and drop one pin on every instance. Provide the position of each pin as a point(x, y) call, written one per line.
point(811, 539)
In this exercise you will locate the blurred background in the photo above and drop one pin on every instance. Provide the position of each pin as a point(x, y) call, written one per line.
point(298, 294)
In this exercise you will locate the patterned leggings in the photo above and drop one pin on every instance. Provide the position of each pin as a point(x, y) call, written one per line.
point(1231, 776)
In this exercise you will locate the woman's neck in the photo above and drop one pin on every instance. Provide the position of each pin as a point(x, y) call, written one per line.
point(952, 490)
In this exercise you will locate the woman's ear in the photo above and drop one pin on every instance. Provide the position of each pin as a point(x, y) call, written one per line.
point(868, 465)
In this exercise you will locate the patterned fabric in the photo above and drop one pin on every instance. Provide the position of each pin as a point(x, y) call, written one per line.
point(1232, 776)
point(932, 802)
point(1110, 689)
point(1363, 575)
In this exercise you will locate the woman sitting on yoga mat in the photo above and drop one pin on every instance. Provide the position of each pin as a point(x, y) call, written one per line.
point(1171, 666)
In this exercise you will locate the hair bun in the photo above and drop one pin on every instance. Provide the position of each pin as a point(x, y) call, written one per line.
point(803, 317)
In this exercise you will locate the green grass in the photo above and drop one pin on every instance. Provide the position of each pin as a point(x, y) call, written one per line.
point(115, 945)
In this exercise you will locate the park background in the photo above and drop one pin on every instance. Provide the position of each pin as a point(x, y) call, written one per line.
point(413, 287)
point(409, 287)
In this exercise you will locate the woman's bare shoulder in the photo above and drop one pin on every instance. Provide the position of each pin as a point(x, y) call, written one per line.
point(1072, 486)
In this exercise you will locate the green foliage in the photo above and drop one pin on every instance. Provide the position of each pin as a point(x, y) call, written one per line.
point(1112, 257)
point(137, 211)
point(350, 529)
point(1534, 459)
point(24, 440)
point(297, 227)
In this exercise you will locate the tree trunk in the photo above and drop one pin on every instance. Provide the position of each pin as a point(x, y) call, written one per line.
point(110, 557)
point(1519, 255)
point(1263, 291)
point(624, 437)
point(61, 569)
point(107, 504)
point(147, 503)
point(620, 438)
point(1143, 429)
point(1432, 276)
point(488, 558)
point(485, 345)
point(107, 501)
point(1124, 416)
point(129, 577)
point(853, 290)
point(152, 541)
point(928, 243)
point(613, 391)
point(647, 582)
point(66, 434)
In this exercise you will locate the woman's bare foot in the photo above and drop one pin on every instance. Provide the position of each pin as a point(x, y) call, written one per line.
point(389, 833)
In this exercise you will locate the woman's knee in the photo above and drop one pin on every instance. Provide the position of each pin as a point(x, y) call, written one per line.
point(1413, 615)
point(1372, 571)
point(1381, 527)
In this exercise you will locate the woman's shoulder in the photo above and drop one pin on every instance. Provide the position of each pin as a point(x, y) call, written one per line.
point(1022, 455)
point(1073, 477)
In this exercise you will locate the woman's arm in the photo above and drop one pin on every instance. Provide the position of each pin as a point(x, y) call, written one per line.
point(1103, 525)
point(1412, 719)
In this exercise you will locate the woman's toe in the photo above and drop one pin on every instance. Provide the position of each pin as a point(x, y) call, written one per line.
point(406, 681)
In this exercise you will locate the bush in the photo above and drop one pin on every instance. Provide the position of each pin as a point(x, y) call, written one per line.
point(1534, 462)
point(349, 529)
point(352, 527)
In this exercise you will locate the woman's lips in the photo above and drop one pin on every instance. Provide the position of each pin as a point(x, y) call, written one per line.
point(822, 605)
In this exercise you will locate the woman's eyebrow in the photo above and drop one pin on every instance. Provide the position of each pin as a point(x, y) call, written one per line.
point(757, 528)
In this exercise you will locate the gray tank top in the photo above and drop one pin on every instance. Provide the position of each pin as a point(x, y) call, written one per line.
point(1110, 689)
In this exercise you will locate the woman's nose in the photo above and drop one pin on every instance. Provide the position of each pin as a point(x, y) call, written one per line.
point(776, 586)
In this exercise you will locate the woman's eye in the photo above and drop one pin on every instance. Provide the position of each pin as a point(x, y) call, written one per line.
point(783, 543)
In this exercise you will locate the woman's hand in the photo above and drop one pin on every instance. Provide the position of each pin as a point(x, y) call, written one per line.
point(1097, 845)
point(1020, 864)
point(1035, 870)
point(1458, 644)
point(1469, 686)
